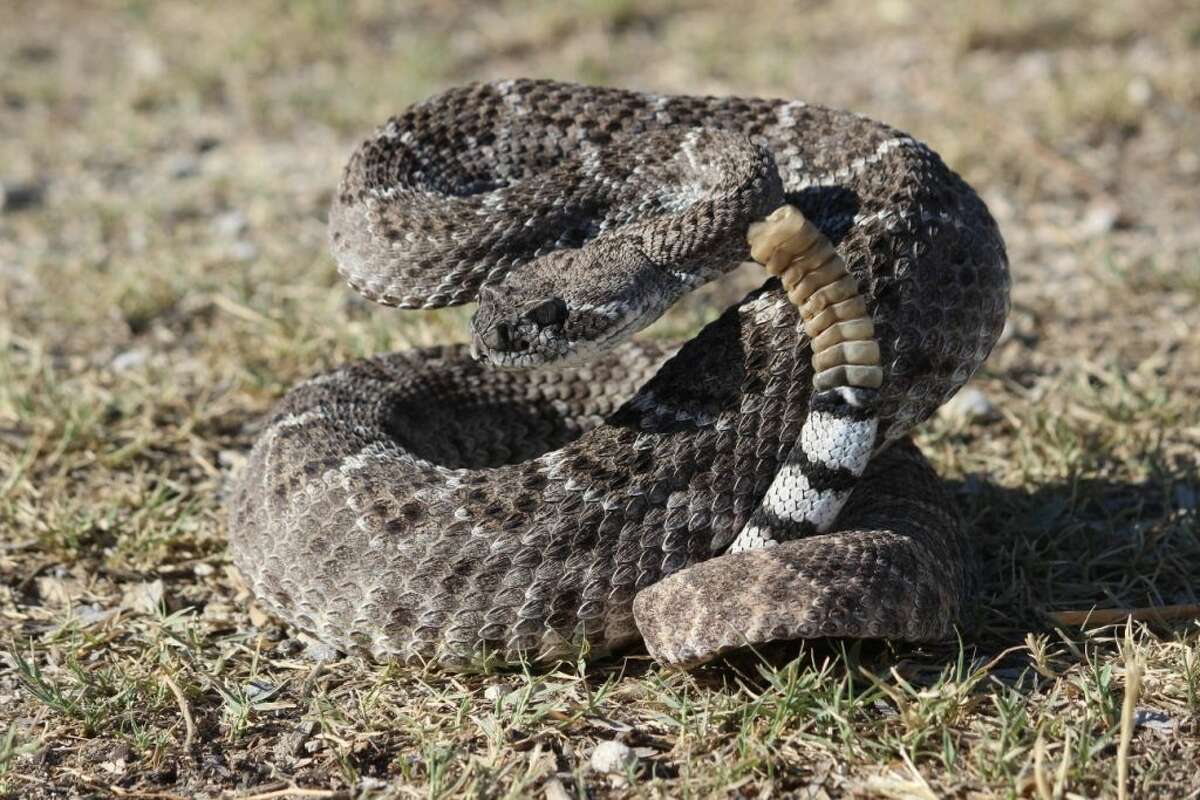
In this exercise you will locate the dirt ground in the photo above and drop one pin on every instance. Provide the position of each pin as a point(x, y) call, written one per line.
point(165, 172)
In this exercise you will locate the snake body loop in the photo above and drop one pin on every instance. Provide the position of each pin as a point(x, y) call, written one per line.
point(426, 505)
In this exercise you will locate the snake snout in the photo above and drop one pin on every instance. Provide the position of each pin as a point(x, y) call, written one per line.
point(516, 327)
point(515, 335)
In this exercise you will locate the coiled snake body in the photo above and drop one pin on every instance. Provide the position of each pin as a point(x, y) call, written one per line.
point(433, 506)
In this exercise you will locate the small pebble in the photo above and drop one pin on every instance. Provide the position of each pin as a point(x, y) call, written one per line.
point(256, 691)
point(1099, 219)
point(243, 251)
point(288, 648)
point(91, 614)
point(610, 757)
point(231, 459)
point(146, 61)
point(1154, 719)
point(230, 225)
point(128, 360)
point(319, 651)
point(1140, 91)
point(183, 165)
point(555, 790)
point(970, 405)
point(368, 786)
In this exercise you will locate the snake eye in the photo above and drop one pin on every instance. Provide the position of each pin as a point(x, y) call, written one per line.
point(550, 312)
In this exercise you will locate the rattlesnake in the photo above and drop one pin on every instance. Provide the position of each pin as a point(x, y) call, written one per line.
point(432, 506)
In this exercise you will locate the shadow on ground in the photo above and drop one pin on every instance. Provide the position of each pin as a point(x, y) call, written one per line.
point(1073, 545)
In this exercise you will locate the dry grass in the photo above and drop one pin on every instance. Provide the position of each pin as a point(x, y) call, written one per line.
point(163, 278)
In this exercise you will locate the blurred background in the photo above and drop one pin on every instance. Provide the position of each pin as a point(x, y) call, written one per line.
point(158, 156)
point(165, 172)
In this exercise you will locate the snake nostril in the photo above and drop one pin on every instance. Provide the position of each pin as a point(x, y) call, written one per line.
point(500, 337)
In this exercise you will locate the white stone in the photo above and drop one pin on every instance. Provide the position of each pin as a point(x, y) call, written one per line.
point(1099, 219)
point(612, 757)
point(969, 405)
point(230, 225)
point(128, 360)
point(243, 251)
point(555, 790)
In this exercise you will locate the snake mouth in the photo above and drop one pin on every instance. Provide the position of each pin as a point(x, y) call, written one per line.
point(514, 348)
point(522, 353)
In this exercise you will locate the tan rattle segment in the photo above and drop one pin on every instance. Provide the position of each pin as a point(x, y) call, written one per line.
point(845, 352)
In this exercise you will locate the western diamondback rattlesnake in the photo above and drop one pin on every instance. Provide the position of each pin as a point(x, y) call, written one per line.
point(431, 506)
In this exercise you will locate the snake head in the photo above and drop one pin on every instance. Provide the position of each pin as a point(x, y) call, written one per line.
point(508, 330)
point(570, 304)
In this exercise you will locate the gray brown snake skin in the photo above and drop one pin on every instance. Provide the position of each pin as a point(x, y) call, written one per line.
point(424, 506)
